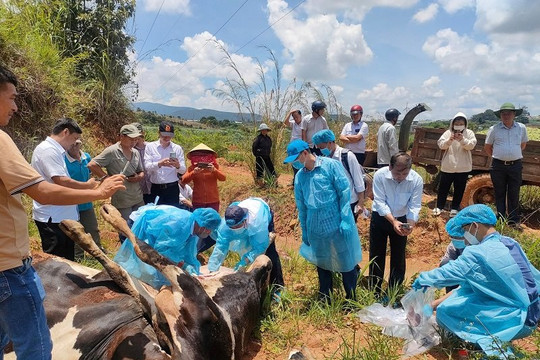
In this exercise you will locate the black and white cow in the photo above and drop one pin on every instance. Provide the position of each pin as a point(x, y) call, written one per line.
point(108, 315)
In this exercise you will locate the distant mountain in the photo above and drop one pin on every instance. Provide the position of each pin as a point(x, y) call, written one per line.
point(190, 113)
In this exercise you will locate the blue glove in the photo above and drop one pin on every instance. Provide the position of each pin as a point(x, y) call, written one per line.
point(417, 286)
point(242, 263)
point(344, 227)
point(191, 270)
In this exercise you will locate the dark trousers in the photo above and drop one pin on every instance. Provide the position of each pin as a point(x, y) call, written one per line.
point(349, 282)
point(148, 198)
point(262, 163)
point(353, 205)
point(379, 230)
point(169, 194)
point(447, 179)
point(360, 157)
point(316, 151)
point(507, 182)
point(54, 241)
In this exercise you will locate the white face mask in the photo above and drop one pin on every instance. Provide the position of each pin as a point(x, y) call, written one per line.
point(470, 237)
point(239, 230)
point(459, 127)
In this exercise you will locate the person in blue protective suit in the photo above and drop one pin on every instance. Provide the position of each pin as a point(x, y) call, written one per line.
point(172, 232)
point(247, 229)
point(330, 238)
point(497, 297)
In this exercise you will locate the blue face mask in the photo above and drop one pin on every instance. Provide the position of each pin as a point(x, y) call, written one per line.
point(458, 244)
point(325, 152)
point(297, 164)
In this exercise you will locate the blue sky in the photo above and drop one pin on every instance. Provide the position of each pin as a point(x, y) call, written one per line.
point(454, 55)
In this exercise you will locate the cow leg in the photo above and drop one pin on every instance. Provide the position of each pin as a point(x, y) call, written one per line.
point(139, 292)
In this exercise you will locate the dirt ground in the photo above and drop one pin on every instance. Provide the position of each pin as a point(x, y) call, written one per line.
point(425, 247)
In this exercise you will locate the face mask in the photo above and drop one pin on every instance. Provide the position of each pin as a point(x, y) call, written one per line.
point(297, 164)
point(459, 127)
point(238, 230)
point(470, 237)
point(326, 152)
point(458, 244)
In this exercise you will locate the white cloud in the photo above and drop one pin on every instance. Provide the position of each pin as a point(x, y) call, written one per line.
point(168, 6)
point(453, 6)
point(426, 14)
point(508, 16)
point(320, 47)
point(430, 87)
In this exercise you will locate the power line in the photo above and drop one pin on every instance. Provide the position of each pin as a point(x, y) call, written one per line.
point(243, 46)
point(152, 27)
point(205, 43)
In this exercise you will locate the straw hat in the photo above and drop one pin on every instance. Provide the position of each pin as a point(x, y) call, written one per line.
point(202, 147)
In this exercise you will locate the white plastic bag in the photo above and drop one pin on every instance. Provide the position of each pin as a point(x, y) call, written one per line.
point(414, 323)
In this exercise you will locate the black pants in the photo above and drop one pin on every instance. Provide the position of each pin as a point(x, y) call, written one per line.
point(360, 157)
point(447, 179)
point(169, 194)
point(379, 230)
point(349, 279)
point(262, 163)
point(54, 241)
point(507, 182)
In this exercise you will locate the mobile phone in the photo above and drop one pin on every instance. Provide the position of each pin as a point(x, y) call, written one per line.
point(172, 155)
point(203, 165)
point(405, 226)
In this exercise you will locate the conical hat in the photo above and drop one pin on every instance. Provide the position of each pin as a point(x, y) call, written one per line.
point(201, 147)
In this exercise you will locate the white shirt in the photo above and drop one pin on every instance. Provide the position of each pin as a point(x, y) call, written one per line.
point(153, 153)
point(48, 160)
point(507, 141)
point(296, 130)
point(311, 125)
point(387, 144)
point(354, 129)
point(398, 199)
point(186, 193)
point(356, 182)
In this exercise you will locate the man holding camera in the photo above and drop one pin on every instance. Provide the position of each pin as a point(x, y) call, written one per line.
point(397, 199)
point(164, 162)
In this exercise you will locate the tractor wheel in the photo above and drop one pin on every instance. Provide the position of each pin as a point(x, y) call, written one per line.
point(479, 190)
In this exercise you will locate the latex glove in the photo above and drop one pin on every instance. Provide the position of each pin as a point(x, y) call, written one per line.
point(344, 227)
point(191, 270)
point(242, 263)
point(417, 286)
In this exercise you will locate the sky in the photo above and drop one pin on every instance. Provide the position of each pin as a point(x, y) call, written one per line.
point(453, 55)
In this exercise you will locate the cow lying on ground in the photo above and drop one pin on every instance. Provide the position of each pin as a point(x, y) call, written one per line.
point(109, 315)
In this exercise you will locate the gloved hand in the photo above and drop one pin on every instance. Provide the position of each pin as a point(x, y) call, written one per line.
point(417, 286)
point(344, 227)
point(242, 263)
point(191, 270)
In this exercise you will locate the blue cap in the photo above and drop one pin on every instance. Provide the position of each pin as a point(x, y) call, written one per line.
point(478, 213)
point(323, 136)
point(294, 149)
point(234, 215)
point(207, 218)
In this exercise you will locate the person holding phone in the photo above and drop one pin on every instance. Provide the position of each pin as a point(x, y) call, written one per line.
point(164, 162)
point(204, 172)
point(456, 164)
point(397, 199)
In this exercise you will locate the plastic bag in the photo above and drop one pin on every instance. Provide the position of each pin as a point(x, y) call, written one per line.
point(415, 322)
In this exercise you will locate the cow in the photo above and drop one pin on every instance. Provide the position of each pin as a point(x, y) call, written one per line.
point(107, 314)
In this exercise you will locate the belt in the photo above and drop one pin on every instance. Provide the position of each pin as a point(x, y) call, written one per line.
point(506, 162)
point(165, 186)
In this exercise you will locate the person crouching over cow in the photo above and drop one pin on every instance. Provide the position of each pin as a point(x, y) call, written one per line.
point(172, 232)
point(247, 229)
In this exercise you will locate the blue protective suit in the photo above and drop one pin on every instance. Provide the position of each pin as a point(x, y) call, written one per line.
point(249, 242)
point(167, 229)
point(497, 294)
point(329, 235)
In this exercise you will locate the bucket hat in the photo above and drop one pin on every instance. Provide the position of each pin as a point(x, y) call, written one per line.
point(508, 106)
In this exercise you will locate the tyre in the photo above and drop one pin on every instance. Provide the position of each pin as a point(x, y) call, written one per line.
point(479, 190)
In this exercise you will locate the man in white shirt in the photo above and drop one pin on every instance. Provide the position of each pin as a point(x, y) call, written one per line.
point(387, 143)
point(48, 160)
point(295, 125)
point(354, 134)
point(313, 123)
point(397, 199)
point(164, 162)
